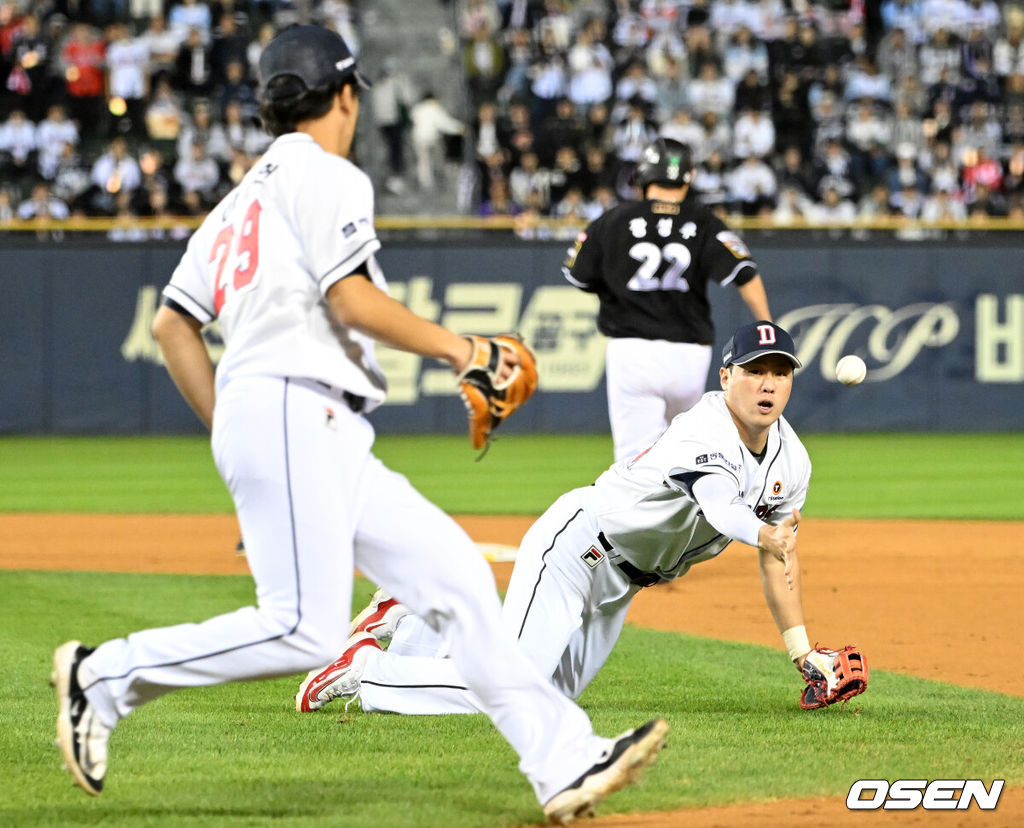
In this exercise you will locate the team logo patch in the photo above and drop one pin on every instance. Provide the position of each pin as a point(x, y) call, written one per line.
point(701, 460)
point(734, 244)
point(777, 487)
point(330, 420)
point(348, 230)
point(592, 557)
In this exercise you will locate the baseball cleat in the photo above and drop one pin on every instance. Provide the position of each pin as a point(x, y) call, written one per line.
point(381, 617)
point(81, 736)
point(622, 764)
point(339, 678)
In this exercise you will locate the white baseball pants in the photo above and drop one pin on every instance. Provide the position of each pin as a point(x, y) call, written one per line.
point(566, 612)
point(649, 381)
point(312, 501)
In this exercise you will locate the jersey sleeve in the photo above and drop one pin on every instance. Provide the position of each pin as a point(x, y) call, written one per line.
point(582, 266)
point(726, 258)
point(191, 286)
point(338, 233)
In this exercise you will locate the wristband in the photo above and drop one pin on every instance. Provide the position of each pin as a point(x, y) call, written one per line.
point(795, 639)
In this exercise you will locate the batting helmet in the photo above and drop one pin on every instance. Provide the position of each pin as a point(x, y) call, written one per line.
point(664, 161)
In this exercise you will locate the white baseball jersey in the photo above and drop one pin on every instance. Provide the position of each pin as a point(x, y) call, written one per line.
point(269, 294)
point(646, 508)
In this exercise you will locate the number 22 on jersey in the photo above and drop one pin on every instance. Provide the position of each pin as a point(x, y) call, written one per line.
point(241, 250)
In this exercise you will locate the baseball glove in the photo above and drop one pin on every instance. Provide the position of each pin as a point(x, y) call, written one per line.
point(490, 400)
point(833, 676)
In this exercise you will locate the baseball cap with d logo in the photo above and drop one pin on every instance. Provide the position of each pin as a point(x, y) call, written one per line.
point(756, 340)
point(310, 57)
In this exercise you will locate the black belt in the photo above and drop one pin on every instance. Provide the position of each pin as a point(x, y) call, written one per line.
point(637, 577)
point(353, 401)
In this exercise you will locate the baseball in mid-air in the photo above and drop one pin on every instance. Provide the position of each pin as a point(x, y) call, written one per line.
point(851, 370)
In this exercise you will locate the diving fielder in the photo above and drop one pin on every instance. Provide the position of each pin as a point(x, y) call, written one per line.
point(730, 468)
point(286, 263)
point(650, 263)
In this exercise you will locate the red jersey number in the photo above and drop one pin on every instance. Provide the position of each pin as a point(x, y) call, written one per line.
point(243, 249)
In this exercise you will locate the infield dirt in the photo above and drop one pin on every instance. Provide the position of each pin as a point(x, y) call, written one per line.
point(936, 599)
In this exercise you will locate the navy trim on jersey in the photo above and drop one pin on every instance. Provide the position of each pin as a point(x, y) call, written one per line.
point(198, 304)
point(735, 273)
point(181, 309)
point(545, 566)
point(295, 562)
point(352, 257)
point(687, 479)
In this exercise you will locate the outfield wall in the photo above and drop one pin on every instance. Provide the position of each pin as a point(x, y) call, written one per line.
point(940, 325)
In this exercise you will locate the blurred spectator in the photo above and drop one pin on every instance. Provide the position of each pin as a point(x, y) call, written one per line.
point(30, 80)
point(52, 134)
point(590, 67)
point(188, 16)
point(520, 55)
point(198, 173)
point(598, 129)
point(876, 203)
point(670, 89)
point(193, 73)
point(1008, 50)
point(165, 115)
point(710, 92)
point(571, 206)
point(752, 186)
point(162, 44)
point(908, 201)
point(745, 54)
point(391, 98)
point(897, 55)
point(128, 80)
point(566, 173)
point(230, 45)
point(986, 202)
point(113, 172)
point(942, 206)
point(981, 129)
point(709, 182)
point(980, 169)
point(42, 204)
point(530, 175)
point(601, 201)
point(791, 116)
point(794, 173)
point(476, 14)
point(7, 211)
point(752, 93)
point(498, 202)
point(685, 130)
point(906, 16)
point(833, 207)
point(634, 84)
point(243, 133)
point(203, 129)
point(236, 87)
point(938, 53)
point(430, 123)
point(907, 128)
point(940, 167)
point(865, 82)
point(264, 36)
point(834, 168)
point(907, 173)
point(634, 133)
point(17, 146)
point(126, 228)
point(71, 180)
point(83, 56)
point(717, 134)
point(155, 175)
point(483, 62)
point(793, 206)
point(596, 173)
point(564, 127)
point(1013, 181)
point(753, 135)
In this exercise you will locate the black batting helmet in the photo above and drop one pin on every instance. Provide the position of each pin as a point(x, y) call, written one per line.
point(664, 161)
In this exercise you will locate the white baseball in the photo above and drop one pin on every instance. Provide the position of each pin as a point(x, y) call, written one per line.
point(851, 370)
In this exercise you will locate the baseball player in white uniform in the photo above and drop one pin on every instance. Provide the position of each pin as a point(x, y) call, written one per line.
point(730, 468)
point(286, 264)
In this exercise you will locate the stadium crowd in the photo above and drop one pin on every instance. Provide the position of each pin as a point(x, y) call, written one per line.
point(822, 109)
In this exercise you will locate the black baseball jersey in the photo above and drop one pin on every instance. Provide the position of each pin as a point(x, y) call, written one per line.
point(650, 263)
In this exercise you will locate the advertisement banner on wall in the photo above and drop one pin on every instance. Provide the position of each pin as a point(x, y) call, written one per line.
point(941, 331)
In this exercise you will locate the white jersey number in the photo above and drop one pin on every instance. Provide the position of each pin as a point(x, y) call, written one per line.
point(242, 249)
point(651, 258)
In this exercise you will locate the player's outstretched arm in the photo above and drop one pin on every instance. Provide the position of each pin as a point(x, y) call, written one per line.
point(756, 298)
point(358, 303)
point(188, 362)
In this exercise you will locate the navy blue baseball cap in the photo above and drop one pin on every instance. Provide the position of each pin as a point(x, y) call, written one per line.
point(310, 57)
point(757, 340)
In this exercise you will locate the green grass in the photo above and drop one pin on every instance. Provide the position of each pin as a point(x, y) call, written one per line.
point(239, 755)
point(948, 476)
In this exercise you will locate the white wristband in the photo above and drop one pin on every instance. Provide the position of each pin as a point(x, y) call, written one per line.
point(795, 639)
